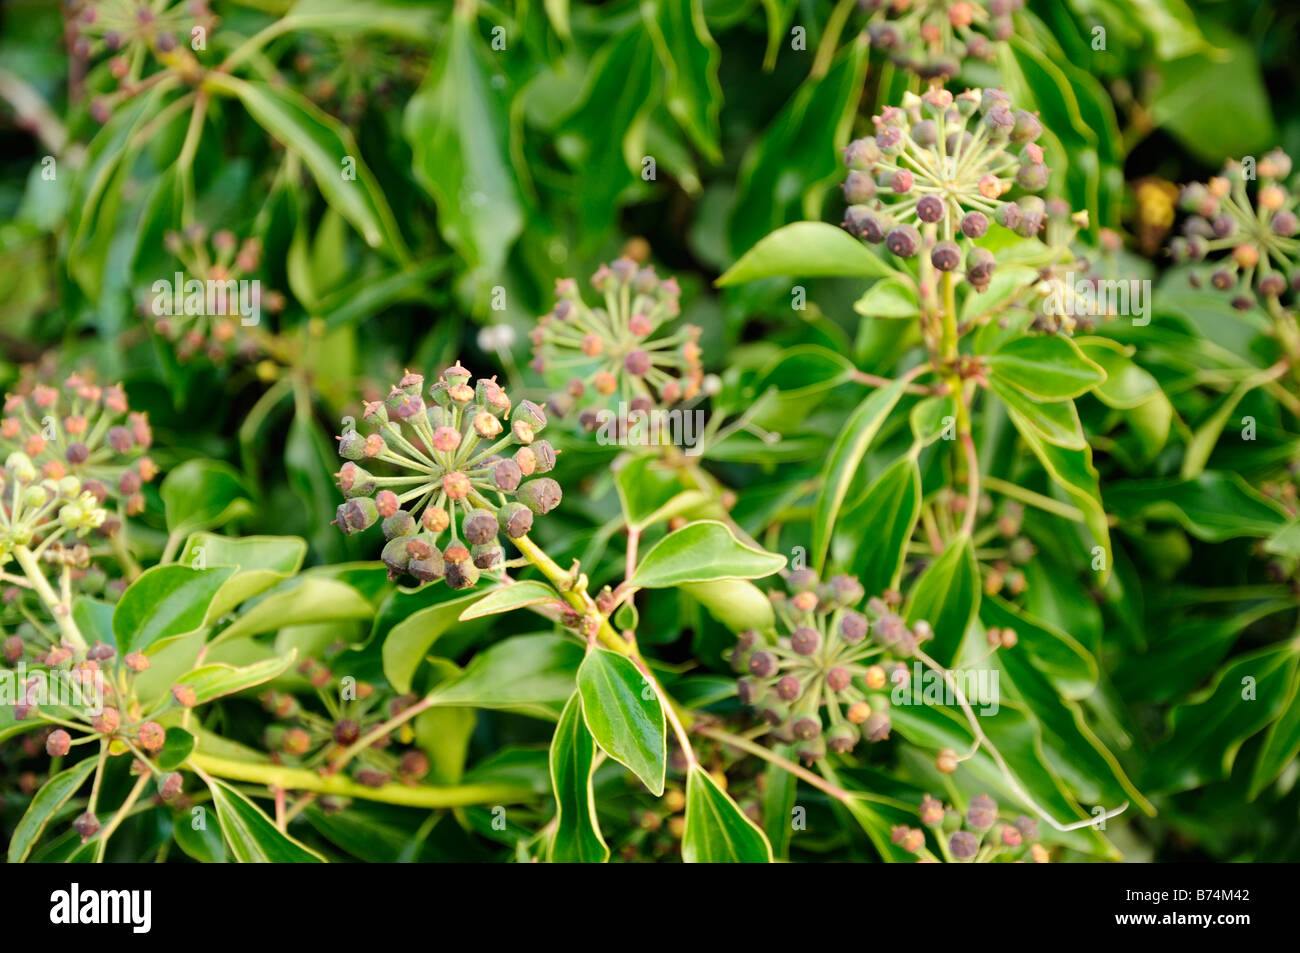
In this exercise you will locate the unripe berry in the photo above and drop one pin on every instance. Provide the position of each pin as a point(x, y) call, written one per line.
point(151, 736)
point(982, 813)
point(903, 240)
point(515, 519)
point(425, 561)
point(974, 224)
point(87, 825)
point(107, 722)
point(859, 188)
point(541, 496)
point(805, 640)
point(356, 515)
point(414, 765)
point(842, 738)
point(170, 785)
point(946, 762)
point(875, 678)
point(480, 527)
point(461, 573)
point(58, 743)
point(945, 256)
point(838, 678)
point(346, 732)
point(963, 845)
point(858, 712)
point(876, 728)
point(396, 556)
point(929, 208)
point(185, 696)
point(763, 664)
point(931, 811)
point(788, 688)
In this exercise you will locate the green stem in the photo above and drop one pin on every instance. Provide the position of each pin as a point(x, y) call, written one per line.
point(302, 779)
point(62, 612)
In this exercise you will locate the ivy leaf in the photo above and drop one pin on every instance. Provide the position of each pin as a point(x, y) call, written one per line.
point(177, 745)
point(407, 643)
point(531, 673)
point(882, 523)
point(202, 494)
point(806, 250)
point(736, 603)
point(213, 681)
point(1073, 472)
point(1281, 743)
point(623, 712)
point(717, 831)
point(702, 552)
point(889, 298)
point(163, 603)
point(1213, 507)
point(1047, 367)
point(573, 753)
point(457, 127)
point(690, 58)
point(518, 595)
point(1207, 732)
point(947, 596)
point(313, 599)
point(329, 151)
point(251, 835)
point(47, 802)
point(1056, 422)
point(845, 458)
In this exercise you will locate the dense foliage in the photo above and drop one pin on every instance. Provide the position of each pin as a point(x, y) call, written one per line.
point(903, 465)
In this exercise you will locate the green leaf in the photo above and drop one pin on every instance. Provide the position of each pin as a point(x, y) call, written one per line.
point(882, 523)
point(409, 641)
point(1048, 367)
point(251, 835)
point(202, 494)
point(216, 680)
point(518, 595)
point(263, 562)
point(177, 745)
point(1207, 732)
point(163, 603)
point(313, 599)
point(457, 126)
point(1074, 473)
point(1057, 422)
point(47, 802)
point(690, 60)
point(736, 603)
point(1281, 743)
point(1213, 507)
point(330, 152)
point(947, 596)
point(623, 713)
point(531, 673)
point(406, 21)
point(845, 458)
point(573, 755)
point(702, 552)
point(806, 250)
point(789, 169)
point(889, 298)
point(717, 831)
point(651, 491)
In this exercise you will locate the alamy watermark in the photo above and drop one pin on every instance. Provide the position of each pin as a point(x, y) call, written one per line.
point(231, 297)
point(626, 427)
point(58, 688)
point(925, 686)
point(1099, 297)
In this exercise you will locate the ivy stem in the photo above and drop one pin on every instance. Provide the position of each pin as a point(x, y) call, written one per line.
point(800, 772)
point(302, 779)
point(61, 610)
point(982, 741)
point(122, 813)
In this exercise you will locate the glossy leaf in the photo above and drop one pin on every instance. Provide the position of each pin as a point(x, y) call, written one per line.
point(573, 752)
point(252, 837)
point(702, 552)
point(45, 804)
point(165, 602)
point(717, 831)
point(623, 713)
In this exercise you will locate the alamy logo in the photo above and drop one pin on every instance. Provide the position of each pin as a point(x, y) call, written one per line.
point(75, 906)
point(212, 298)
point(78, 688)
point(1099, 297)
point(928, 687)
point(647, 428)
